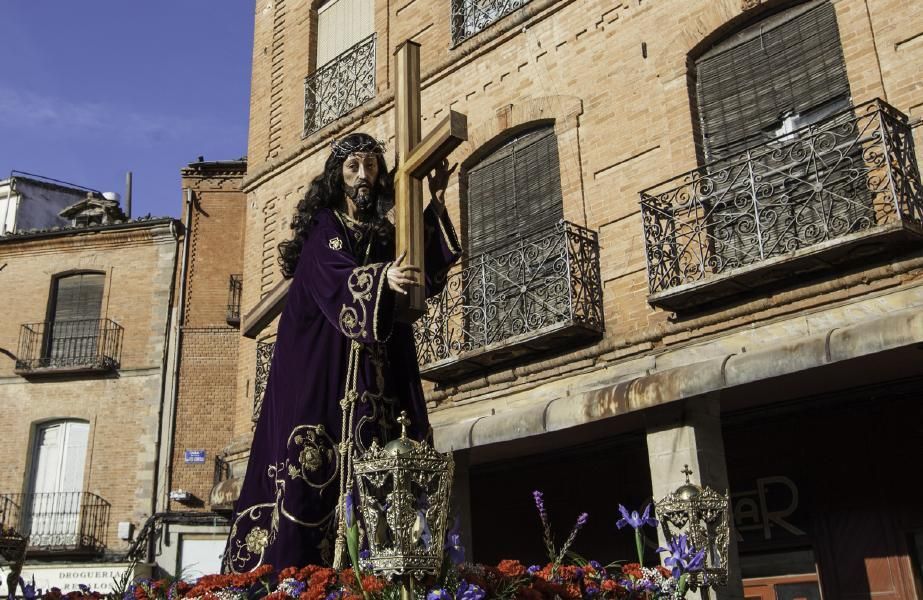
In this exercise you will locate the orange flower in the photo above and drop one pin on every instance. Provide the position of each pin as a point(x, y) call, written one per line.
point(372, 584)
point(511, 568)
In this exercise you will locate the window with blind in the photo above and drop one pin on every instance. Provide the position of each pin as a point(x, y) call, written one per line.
point(341, 24)
point(514, 192)
point(783, 72)
point(75, 316)
point(762, 95)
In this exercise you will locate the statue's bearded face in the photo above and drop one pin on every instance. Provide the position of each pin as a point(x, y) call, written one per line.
point(360, 172)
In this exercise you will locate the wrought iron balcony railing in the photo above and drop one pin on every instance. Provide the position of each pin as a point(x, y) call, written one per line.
point(235, 290)
point(473, 16)
point(57, 521)
point(540, 293)
point(339, 86)
point(826, 193)
point(78, 345)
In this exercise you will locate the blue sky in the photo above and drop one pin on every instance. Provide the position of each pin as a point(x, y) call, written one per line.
point(90, 89)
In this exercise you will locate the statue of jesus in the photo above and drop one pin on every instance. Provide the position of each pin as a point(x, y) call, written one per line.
point(343, 367)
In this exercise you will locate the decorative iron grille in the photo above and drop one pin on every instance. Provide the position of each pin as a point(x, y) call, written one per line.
point(854, 172)
point(537, 288)
point(235, 290)
point(339, 86)
point(473, 16)
point(263, 361)
point(57, 521)
point(82, 344)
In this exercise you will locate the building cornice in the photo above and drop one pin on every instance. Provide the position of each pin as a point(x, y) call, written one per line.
point(119, 234)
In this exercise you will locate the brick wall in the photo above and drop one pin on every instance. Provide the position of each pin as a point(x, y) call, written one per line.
point(122, 410)
point(615, 79)
point(209, 345)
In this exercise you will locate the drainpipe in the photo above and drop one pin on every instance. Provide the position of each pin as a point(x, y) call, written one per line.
point(168, 418)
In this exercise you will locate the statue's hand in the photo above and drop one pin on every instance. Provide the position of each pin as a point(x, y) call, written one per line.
point(401, 277)
point(438, 182)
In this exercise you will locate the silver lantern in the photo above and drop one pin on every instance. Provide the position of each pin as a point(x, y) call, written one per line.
point(404, 500)
point(701, 513)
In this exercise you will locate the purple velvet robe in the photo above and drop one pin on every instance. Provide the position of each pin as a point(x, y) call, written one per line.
point(285, 514)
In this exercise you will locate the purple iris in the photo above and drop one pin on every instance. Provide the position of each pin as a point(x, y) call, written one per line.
point(469, 591)
point(634, 520)
point(28, 589)
point(438, 594)
point(683, 556)
point(296, 588)
point(599, 568)
point(533, 569)
point(637, 585)
point(453, 544)
point(350, 508)
point(334, 595)
point(540, 505)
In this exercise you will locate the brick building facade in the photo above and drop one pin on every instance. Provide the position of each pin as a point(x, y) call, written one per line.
point(743, 259)
point(190, 534)
point(86, 318)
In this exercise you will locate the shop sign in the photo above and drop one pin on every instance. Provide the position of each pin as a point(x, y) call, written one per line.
point(69, 578)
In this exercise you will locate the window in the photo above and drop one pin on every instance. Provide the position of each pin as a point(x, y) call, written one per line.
point(472, 16)
point(514, 192)
point(786, 68)
point(53, 508)
point(73, 330)
point(341, 24)
point(514, 202)
point(344, 74)
point(763, 96)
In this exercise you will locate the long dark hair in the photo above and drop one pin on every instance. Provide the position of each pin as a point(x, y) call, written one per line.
point(326, 191)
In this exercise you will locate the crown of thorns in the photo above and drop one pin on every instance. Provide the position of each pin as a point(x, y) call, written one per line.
point(342, 148)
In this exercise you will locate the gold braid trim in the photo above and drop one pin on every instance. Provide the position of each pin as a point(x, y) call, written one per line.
point(348, 406)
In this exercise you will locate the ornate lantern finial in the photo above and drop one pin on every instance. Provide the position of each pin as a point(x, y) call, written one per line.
point(404, 499)
point(702, 514)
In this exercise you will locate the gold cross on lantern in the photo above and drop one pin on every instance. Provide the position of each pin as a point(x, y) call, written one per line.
point(415, 158)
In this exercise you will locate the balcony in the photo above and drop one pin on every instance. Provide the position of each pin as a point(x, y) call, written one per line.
point(543, 293)
point(235, 290)
point(470, 17)
point(339, 86)
point(844, 189)
point(64, 347)
point(57, 522)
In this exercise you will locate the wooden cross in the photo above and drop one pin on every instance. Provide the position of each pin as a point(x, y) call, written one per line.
point(415, 158)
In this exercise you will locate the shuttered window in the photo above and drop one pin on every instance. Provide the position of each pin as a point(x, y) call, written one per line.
point(78, 297)
point(341, 24)
point(775, 73)
point(514, 192)
point(75, 316)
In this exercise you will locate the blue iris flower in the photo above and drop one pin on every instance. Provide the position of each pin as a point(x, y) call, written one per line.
point(453, 544)
point(683, 556)
point(28, 589)
point(634, 519)
point(350, 508)
point(469, 591)
point(438, 594)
